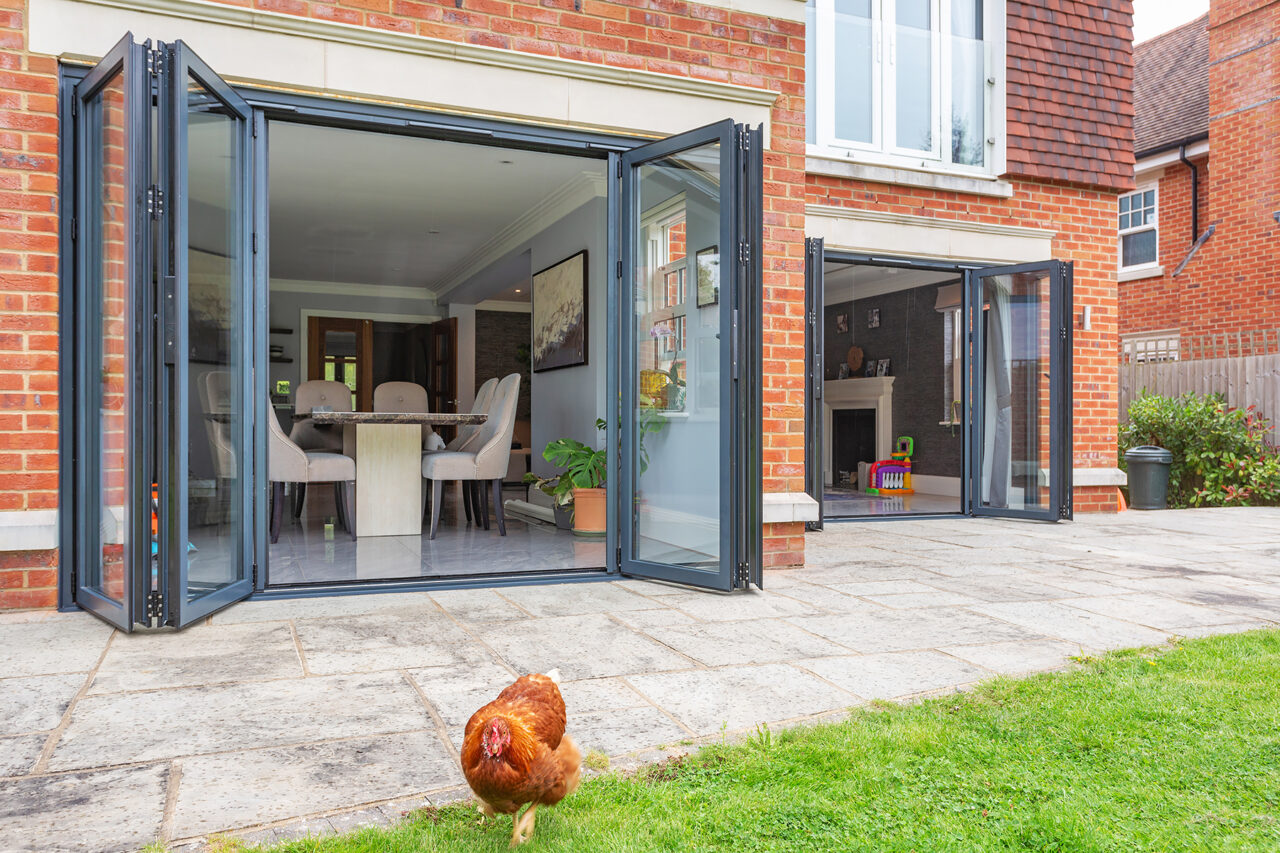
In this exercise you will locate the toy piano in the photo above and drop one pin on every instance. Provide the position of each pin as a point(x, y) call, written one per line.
point(892, 476)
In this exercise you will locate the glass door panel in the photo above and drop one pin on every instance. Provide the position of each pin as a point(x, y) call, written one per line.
point(814, 290)
point(680, 332)
point(208, 542)
point(113, 482)
point(1021, 390)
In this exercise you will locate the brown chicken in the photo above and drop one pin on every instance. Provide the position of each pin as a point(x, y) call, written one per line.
point(515, 751)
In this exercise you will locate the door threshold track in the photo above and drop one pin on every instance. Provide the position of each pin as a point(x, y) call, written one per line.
point(530, 578)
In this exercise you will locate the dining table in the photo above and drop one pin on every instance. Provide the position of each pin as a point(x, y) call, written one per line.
point(387, 447)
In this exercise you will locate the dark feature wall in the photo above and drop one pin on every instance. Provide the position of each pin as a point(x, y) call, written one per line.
point(502, 347)
point(911, 336)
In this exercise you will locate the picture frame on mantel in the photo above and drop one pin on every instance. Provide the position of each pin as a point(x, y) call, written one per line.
point(559, 315)
point(882, 367)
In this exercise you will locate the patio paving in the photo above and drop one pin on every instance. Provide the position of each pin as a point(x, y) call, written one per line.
point(280, 718)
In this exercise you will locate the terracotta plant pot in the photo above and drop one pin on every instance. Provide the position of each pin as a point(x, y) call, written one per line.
point(589, 516)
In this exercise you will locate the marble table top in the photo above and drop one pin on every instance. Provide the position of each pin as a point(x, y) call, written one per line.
point(433, 418)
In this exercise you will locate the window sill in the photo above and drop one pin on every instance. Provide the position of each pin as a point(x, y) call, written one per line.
point(1137, 273)
point(939, 179)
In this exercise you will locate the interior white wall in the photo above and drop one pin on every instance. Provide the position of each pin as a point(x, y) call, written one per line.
point(466, 363)
point(566, 402)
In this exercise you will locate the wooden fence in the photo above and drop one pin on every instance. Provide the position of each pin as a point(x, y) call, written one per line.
point(1242, 366)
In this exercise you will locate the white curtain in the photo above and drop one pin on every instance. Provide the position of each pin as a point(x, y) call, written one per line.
point(997, 431)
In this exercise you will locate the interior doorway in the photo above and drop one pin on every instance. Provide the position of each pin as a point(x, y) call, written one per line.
point(413, 263)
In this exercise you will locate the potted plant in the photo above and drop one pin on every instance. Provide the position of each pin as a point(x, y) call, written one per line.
point(580, 484)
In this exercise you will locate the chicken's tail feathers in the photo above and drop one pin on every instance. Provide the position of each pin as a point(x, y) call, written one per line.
point(553, 674)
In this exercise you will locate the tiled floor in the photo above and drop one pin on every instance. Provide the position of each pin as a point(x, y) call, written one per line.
point(316, 549)
point(111, 741)
point(854, 503)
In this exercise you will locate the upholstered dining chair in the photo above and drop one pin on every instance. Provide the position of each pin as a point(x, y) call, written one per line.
point(308, 436)
point(403, 397)
point(486, 458)
point(460, 441)
point(289, 463)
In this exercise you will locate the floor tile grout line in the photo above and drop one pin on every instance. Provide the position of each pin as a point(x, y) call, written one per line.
point(517, 606)
point(697, 664)
point(797, 665)
point(661, 710)
point(173, 784)
point(165, 759)
point(297, 647)
point(442, 731)
point(466, 629)
point(55, 735)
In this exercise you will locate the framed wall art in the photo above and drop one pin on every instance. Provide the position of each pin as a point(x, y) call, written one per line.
point(559, 318)
point(708, 276)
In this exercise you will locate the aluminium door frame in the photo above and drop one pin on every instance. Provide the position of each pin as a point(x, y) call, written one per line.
point(961, 269)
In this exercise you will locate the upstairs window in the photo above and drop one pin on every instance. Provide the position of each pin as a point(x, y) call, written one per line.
point(1138, 229)
point(904, 82)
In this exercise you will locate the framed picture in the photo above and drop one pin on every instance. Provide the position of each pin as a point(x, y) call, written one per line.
point(871, 368)
point(559, 319)
point(843, 372)
point(873, 318)
point(882, 367)
point(842, 323)
point(708, 276)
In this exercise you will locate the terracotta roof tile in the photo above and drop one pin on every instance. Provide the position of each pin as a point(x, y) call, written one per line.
point(1171, 87)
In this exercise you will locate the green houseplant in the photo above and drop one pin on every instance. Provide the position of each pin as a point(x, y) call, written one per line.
point(580, 484)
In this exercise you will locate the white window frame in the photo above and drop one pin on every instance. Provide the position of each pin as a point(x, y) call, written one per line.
point(1152, 347)
point(882, 150)
point(1153, 188)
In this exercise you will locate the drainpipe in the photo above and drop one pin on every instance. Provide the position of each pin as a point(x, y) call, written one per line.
point(1195, 192)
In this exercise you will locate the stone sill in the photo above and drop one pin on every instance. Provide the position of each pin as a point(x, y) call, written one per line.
point(1140, 273)
point(29, 530)
point(783, 507)
point(940, 179)
point(1086, 477)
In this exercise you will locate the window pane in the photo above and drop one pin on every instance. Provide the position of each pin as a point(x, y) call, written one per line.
point(854, 78)
point(810, 72)
point(676, 460)
point(105, 574)
point(1124, 204)
point(218, 460)
point(1124, 221)
point(968, 83)
point(914, 70)
point(1149, 198)
point(1138, 248)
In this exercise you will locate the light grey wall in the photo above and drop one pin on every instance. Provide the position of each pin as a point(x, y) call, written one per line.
point(565, 402)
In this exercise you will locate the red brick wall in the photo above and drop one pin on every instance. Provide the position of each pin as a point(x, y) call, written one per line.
point(1085, 221)
point(1070, 96)
point(1233, 283)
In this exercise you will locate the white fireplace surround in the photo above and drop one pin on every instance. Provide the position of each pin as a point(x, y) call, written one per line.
point(863, 392)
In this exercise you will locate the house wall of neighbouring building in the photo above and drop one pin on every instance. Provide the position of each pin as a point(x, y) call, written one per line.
point(1232, 284)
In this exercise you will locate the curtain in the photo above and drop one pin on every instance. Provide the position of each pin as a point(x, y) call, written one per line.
point(997, 432)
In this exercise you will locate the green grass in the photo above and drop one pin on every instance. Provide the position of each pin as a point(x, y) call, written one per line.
point(1173, 749)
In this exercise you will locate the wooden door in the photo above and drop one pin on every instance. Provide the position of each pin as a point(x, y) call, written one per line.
point(442, 368)
point(341, 349)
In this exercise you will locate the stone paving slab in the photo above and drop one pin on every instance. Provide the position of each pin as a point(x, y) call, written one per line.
point(285, 718)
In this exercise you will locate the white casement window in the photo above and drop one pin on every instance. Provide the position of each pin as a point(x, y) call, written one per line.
point(1139, 229)
point(911, 83)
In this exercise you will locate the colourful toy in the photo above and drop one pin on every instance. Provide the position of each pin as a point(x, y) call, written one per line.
point(893, 476)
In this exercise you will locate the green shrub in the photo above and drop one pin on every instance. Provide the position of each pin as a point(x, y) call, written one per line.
point(1220, 455)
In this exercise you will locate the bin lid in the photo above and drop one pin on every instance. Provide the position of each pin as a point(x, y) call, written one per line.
point(1148, 453)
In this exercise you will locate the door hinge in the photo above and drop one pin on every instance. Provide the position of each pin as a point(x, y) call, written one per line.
point(254, 576)
point(75, 107)
point(1064, 511)
point(744, 253)
point(155, 202)
point(155, 61)
point(742, 576)
point(155, 605)
point(1062, 333)
point(617, 558)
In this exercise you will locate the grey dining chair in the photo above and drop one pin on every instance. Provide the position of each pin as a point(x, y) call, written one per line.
point(289, 463)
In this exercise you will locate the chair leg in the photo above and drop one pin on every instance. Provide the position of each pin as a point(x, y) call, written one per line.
point(347, 494)
point(339, 509)
point(299, 495)
point(435, 507)
point(497, 507)
point(483, 494)
point(277, 510)
point(467, 499)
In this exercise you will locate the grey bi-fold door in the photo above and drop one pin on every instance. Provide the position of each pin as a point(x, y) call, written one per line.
point(685, 483)
point(162, 420)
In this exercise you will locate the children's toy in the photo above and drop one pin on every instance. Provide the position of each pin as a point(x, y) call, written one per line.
point(893, 476)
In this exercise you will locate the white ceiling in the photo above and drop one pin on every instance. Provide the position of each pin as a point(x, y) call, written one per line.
point(844, 282)
point(374, 208)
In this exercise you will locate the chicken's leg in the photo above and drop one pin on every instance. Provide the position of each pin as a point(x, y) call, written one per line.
point(520, 832)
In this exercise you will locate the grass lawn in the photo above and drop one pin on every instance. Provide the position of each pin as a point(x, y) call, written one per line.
point(1168, 749)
